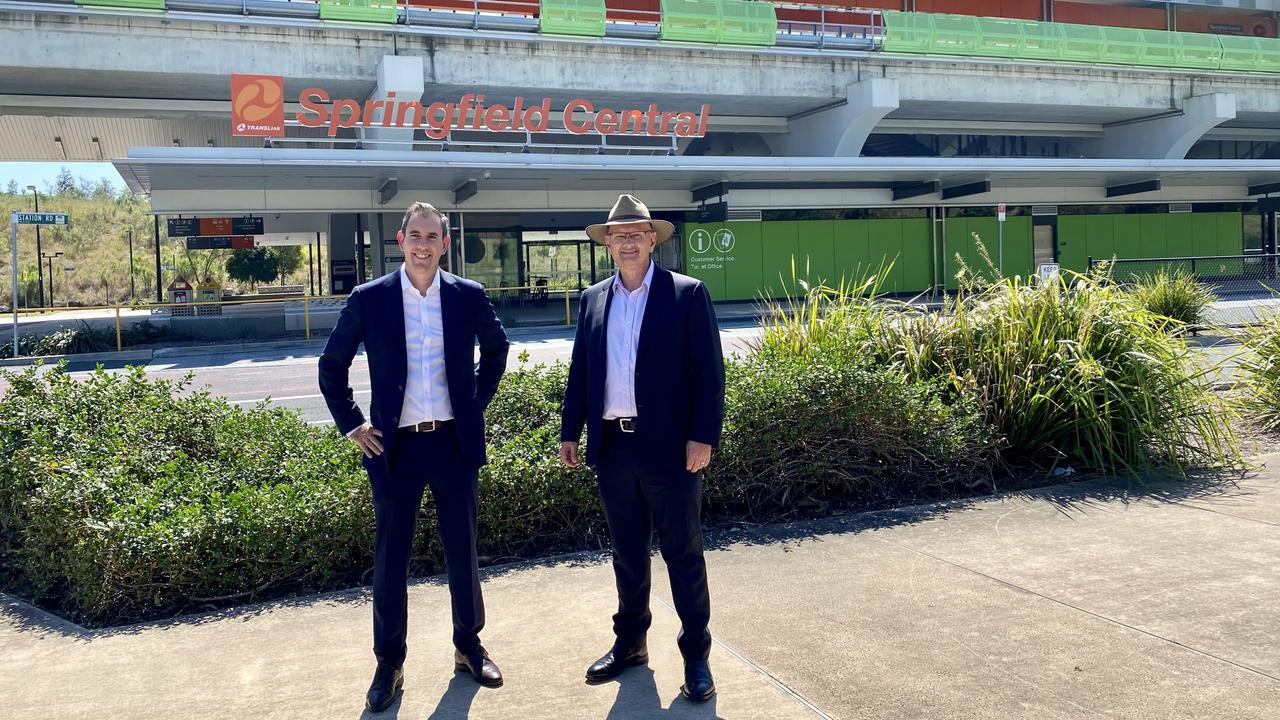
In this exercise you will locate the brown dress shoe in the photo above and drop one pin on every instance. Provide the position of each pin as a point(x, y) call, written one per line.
point(480, 666)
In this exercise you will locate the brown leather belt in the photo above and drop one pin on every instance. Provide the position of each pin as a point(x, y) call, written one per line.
point(427, 426)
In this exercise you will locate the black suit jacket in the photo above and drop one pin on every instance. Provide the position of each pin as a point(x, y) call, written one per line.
point(374, 315)
point(679, 380)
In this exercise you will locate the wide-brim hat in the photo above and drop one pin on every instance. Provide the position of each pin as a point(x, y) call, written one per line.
point(629, 209)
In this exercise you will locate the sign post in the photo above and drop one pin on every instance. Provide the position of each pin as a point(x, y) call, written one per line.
point(1000, 236)
point(21, 218)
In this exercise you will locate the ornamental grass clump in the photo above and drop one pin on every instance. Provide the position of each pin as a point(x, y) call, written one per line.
point(1259, 372)
point(1175, 298)
point(1066, 371)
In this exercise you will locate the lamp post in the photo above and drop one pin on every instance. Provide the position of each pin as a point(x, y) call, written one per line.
point(50, 258)
point(39, 268)
point(131, 299)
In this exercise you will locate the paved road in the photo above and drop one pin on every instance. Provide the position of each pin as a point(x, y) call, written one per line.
point(288, 376)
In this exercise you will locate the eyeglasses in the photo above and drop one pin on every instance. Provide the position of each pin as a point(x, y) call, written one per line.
point(635, 237)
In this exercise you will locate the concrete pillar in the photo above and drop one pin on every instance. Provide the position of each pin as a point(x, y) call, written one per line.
point(1164, 138)
point(402, 75)
point(342, 253)
point(839, 131)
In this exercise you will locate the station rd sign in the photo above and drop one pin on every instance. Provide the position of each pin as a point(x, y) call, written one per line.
point(257, 109)
point(39, 218)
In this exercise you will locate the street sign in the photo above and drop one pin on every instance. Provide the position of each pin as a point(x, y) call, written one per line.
point(1000, 211)
point(1048, 270)
point(20, 218)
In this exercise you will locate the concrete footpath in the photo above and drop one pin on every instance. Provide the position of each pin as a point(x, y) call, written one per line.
point(1089, 600)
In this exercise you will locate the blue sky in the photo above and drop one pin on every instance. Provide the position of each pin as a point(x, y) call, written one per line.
point(42, 174)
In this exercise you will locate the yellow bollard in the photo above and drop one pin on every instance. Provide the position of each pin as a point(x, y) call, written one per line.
point(306, 314)
point(568, 316)
point(119, 343)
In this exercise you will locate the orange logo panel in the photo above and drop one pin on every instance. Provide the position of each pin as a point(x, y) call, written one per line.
point(257, 105)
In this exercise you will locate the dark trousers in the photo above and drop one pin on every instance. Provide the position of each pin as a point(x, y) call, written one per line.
point(638, 495)
point(420, 460)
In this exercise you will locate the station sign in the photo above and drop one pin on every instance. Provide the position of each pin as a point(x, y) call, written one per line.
point(258, 110)
point(215, 227)
point(221, 242)
point(20, 218)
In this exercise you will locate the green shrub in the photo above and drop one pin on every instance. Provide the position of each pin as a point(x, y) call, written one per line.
point(88, 339)
point(821, 428)
point(1176, 298)
point(1066, 373)
point(1259, 374)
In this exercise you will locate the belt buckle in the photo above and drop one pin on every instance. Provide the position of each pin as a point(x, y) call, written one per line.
point(428, 426)
point(628, 425)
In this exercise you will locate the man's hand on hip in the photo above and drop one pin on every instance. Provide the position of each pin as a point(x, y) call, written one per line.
point(697, 456)
point(368, 438)
point(569, 454)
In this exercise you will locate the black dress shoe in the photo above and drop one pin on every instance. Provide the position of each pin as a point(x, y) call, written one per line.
point(480, 666)
point(698, 685)
point(387, 681)
point(615, 661)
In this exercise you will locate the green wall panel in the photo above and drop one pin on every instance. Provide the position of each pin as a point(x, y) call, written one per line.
point(1073, 248)
point(884, 247)
point(742, 272)
point(917, 248)
point(1152, 236)
point(1178, 242)
point(1204, 234)
point(815, 252)
point(1098, 232)
point(779, 240)
point(702, 265)
point(1126, 235)
point(851, 250)
point(1230, 234)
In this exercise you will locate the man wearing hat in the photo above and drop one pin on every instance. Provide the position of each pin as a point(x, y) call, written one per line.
point(647, 380)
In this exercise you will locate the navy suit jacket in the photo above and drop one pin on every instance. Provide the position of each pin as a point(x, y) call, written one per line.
point(374, 315)
point(679, 380)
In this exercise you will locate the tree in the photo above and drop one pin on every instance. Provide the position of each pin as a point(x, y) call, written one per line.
point(252, 266)
point(12, 188)
point(65, 184)
point(288, 258)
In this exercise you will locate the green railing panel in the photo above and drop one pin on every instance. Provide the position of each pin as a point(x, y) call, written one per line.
point(135, 4)
point(1082, 43)
point(1239, 52)
point(692, 20)
point(1199, 50)
point(907, 32)
point(955, 35)
point(371, 11)
point(748, 22)
point(1122, 46)
point(1160, 48)
point(572, 17)
point(998, 37)
point(1041, 41)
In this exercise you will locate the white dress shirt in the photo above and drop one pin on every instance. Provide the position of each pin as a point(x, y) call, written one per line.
point(426, 390)
point(626, 314)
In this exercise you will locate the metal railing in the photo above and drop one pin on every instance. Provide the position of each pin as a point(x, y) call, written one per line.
point(518, 296)
point(1247, 287)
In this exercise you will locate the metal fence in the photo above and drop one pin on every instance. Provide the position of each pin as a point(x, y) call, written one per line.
point(1247, 287)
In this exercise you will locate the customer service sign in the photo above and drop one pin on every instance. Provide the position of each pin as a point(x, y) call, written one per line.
point(257, 109)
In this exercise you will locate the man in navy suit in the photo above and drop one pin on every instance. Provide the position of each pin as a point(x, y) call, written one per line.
point(419, 326)
point(647, 380)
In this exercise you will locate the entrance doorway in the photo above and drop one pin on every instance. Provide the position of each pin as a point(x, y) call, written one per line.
point(563, 261)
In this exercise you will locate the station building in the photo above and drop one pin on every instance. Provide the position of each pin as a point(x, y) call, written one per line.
point(783, 139)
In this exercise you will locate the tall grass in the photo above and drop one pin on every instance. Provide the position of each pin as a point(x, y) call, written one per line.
point(1259, 372)
point(1175, 298)
point(1068, 371)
